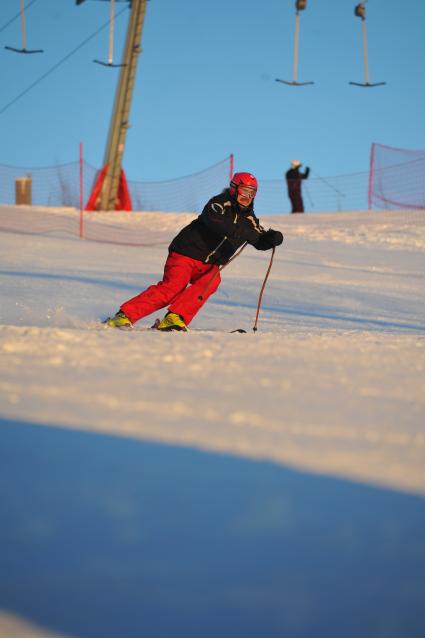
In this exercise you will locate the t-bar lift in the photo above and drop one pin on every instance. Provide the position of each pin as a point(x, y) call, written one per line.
point(110, 61)
point(300, 5)
point(360, 12)
point(23, 49)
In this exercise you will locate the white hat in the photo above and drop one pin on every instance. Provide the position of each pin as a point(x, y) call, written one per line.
point(295, 163)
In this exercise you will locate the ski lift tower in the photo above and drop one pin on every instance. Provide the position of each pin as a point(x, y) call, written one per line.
point(111, 181)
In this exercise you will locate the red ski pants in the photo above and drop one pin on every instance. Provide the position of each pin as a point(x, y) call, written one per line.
point(174, 290)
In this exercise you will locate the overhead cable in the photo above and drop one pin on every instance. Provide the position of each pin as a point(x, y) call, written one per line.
point(18, 15)
point(58, 64)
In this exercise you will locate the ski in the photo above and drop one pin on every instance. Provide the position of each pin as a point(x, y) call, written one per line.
point(155, 325)
point(158, 321)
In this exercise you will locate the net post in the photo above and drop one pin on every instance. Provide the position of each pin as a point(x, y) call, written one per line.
point(81, 194)
point(371, 173)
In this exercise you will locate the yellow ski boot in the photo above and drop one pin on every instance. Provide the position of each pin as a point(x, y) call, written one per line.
point(119, 320)
point(172, 321)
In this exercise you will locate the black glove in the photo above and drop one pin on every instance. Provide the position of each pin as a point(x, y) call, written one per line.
point(269, 239)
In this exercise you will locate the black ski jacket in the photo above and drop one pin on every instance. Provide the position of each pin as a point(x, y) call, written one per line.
point(218, 232)
point(294, 177)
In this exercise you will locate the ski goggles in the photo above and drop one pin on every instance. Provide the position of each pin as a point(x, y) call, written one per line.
point(247, 191)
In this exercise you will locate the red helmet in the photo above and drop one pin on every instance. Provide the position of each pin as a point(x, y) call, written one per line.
point(242, 179)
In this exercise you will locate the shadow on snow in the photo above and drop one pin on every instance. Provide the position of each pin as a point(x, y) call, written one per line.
point(104, 536)
point(82, 279)
point(332, 314)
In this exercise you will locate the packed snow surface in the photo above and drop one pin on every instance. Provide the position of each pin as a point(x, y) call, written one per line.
point(333, 380)
point(332, 385)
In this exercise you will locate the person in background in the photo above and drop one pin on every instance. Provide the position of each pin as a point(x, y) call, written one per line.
point(293, 180)
point(191, 272)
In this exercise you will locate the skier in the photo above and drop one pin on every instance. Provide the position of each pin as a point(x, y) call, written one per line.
point(191, 272)
point(293, 180)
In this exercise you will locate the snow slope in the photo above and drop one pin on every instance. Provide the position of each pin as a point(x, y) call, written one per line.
point(331, 388)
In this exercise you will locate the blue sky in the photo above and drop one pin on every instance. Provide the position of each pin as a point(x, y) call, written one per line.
point(206, 86)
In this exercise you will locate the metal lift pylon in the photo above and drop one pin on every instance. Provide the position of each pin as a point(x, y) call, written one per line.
point(23, 49)
point(110, 189)
point(360, 12)
point(300, 5)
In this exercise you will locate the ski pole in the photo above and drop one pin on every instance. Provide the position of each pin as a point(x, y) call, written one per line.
point(209, 282)
point(262, 289)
